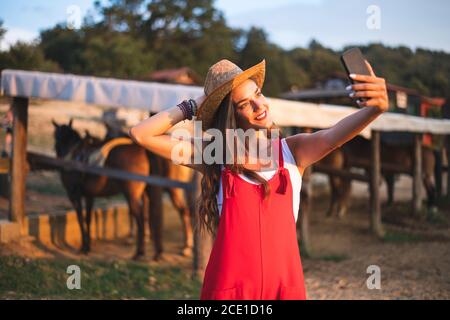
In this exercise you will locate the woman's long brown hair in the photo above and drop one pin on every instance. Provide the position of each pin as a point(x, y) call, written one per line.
point(208, 213)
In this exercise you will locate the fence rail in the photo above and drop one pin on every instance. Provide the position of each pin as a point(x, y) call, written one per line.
point(39, 161)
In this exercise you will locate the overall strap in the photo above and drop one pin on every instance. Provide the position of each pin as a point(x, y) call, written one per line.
point(281, 170)
point(228, 175)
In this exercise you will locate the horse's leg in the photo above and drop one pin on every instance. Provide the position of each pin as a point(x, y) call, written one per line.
point(334, 187)
point(89, 203)
point(344, 197)
point(390, 182)
point(132, 226)
point(135, 206)
point(155, 219)
point(428, 166)
point(430, 187)
point(75, 199)
point(179, 201)
point(145, 209)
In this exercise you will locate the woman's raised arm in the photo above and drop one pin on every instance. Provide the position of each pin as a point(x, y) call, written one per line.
point(151, 133)
point(308, 148)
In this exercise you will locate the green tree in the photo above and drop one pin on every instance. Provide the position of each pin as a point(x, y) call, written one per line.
point(121, 15)
point(117, 55)
point(65, 47)
point(2, 31)
point(134, 37)
point(318, 62)
point(178, 33)
point(281, 72)
point(26, 56)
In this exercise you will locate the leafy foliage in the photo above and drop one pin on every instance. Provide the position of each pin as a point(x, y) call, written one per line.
point(26, 56)
point(135, 37)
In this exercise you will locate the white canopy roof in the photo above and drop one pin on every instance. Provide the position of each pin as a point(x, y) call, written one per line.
point(158, 96)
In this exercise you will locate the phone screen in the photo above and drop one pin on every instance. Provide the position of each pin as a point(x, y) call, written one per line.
point(353, 61)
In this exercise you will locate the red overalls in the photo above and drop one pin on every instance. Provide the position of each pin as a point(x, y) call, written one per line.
point(255, 254)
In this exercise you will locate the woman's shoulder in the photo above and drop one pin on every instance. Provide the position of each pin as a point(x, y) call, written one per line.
point(289, 150)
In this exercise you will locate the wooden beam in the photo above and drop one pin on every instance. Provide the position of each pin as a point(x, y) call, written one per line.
point(18, 162)
point(417, 174)
point(375, 204)
point(438, 171)
point(447, 147)
point(42, 161)
point(346, 174)
point(385, 167)
point(306, 199)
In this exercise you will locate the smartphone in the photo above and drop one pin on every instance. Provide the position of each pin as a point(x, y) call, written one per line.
point(353, 61)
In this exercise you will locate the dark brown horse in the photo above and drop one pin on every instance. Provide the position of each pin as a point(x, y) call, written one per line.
point(356, 153)
point(132, 158)
point(83, 187)
point(340, 188)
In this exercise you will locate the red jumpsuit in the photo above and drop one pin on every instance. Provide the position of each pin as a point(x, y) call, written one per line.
point(255, 254)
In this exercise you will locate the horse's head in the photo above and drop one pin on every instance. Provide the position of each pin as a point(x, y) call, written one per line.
point(65, 138)
point(91, 140)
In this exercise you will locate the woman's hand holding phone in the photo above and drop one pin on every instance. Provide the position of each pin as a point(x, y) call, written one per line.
point(371, 88)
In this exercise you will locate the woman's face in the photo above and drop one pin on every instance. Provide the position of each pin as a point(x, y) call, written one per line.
point(252, 109)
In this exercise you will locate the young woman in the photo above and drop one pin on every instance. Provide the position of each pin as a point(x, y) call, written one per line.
point(251, 205)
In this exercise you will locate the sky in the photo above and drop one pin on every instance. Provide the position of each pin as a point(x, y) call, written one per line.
point(289, 23)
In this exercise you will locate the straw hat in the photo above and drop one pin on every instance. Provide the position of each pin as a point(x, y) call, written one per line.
point(222, 77)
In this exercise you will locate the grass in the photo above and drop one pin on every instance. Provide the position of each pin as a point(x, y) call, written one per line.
point(23, 278)
point(41, 141)
point(331, 257)
point(401, 237)
point(47, 187)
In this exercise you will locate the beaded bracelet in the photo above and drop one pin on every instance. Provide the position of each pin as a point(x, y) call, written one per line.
point(194, 107)
point(186, 108)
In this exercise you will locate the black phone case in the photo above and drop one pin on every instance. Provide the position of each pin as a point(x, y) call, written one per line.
point(353, 61)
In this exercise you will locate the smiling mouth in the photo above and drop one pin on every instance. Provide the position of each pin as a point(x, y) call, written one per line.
point(262, 116)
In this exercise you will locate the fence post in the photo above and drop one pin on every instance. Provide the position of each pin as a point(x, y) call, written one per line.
point(417, 174)
point(18, 162)
point(375, 205)
point(202, 240)
point(447, 148)
point(306, 197)
point(305, 208)
point(438, 172)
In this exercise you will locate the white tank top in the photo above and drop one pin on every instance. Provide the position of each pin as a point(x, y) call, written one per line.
point(294, 173)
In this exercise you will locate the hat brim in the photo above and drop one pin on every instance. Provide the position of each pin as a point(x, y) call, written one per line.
point(209, 107)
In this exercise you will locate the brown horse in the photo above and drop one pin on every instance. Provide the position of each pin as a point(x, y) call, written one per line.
point(356, 153)
point(340, 188)
point(165, 168)
point(83, 186)
point(180, 200)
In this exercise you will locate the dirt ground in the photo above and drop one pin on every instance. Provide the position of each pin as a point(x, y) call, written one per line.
point(414, 257)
